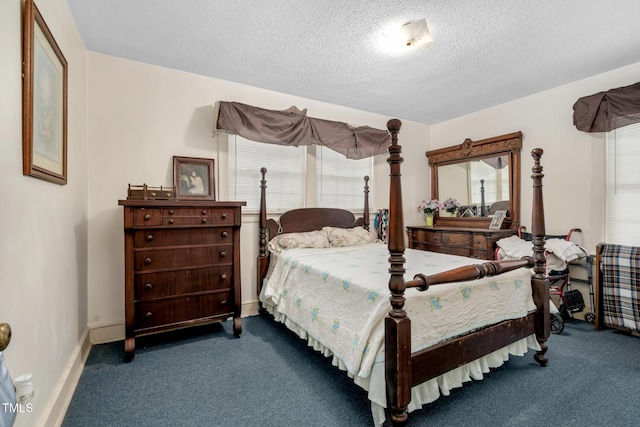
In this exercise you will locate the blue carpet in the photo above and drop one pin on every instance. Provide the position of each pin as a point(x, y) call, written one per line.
point(269, 377)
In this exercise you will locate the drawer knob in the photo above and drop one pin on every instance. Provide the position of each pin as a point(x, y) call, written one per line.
point(170, 221)
point(148, 315)
point(223, 276)
point(223, 254)
point(223, 216)
point(204, 212)
point(224, 234)
point(171, 212)
point(148, 260)
point(148, 286)
point(149, 238)
point(204, 220)
point(223, 302)
point(147, 217)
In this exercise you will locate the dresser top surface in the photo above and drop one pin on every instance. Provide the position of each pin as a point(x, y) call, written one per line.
point(461, 229)
point(179, 203)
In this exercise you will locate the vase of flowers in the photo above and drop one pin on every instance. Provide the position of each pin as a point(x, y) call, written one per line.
point(451, 205)
point(429, 207)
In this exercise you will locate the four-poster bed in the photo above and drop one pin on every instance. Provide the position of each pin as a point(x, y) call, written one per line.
point(401, 363)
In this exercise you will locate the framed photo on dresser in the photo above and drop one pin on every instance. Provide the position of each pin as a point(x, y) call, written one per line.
point(498, 219)
point(193, 178)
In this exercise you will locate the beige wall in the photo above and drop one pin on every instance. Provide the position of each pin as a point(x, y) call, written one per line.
point(43, 226)
point(142, 115)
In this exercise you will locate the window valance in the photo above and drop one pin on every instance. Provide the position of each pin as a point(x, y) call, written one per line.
point(605, 111)
point(293, 127)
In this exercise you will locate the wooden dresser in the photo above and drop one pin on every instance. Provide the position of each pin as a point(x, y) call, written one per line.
point(471, 242)
point(182, 265)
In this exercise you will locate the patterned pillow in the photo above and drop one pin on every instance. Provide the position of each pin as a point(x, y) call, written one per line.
point(339, 237)
point(308, 239)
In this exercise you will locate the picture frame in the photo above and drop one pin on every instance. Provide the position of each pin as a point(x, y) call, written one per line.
point(44, 101)
point(193, 178)
point(498, 219)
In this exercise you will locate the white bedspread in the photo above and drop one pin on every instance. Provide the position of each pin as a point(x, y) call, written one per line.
point(339, 298)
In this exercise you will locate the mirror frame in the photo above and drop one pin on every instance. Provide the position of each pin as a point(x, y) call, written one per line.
point(505, 145)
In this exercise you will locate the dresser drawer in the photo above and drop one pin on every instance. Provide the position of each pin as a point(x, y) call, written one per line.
point(190, 212)
point(190, 256)
point(457, 251)
point(480, 254)
point(149, 314)
point(186, 220)
point(194, 216)
point(156, 285)
point(147, 217)
point(456, 239)
point(188, 236)
point(425, 236)
point(479, 241)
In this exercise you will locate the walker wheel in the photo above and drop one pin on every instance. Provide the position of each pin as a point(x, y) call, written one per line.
point(557, 324)
point(590, 317)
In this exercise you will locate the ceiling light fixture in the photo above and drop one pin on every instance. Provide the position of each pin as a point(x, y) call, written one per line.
point(411, 34)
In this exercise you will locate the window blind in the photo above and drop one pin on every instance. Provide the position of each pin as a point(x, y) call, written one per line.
point(340, 181)
point(285, 174)
point(623, 186)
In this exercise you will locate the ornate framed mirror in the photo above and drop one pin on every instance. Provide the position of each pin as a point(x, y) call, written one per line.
point(483, 176)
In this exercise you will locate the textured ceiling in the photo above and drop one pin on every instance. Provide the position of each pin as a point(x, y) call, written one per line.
point(486, 52)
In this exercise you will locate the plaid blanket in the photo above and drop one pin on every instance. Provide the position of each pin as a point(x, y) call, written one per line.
point(621, 286)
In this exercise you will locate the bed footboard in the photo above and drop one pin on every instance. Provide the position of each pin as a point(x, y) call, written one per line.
point(404, 369)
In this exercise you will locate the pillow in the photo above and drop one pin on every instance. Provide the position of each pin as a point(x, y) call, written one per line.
point(308, 239)
point(339, 237)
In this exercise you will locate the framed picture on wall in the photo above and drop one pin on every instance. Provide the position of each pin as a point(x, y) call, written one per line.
point(193, 178)
point(498, 219)
point(44, 103)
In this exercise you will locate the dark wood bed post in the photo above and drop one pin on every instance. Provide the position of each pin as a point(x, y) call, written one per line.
point(366, 203)
point(397, 324)
point(540, 283)
point(263, 260)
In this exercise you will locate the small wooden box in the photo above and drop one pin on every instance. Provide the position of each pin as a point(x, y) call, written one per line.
point(144, 192)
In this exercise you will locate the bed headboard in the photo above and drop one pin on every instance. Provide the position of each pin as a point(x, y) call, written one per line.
point(309, 219)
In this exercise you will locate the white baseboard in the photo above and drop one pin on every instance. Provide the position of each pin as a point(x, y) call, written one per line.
point(108, 332)
point(250, 308)
point(62, 394)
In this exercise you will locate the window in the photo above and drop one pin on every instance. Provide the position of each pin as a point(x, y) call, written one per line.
point(623, 186)
point(285, 174)
point(340, 181)
point(300, 177)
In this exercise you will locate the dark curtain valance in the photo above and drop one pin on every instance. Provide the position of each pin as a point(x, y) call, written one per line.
point(293, 127)
point(605, 111)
